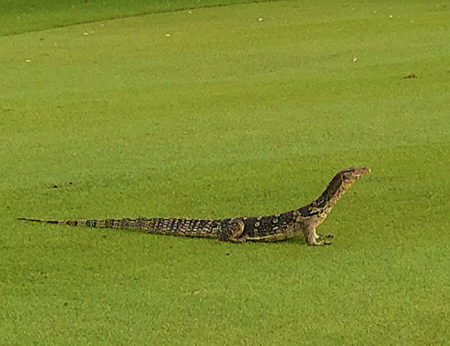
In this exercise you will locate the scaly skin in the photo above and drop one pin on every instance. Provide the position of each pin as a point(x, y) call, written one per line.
point(291, 224)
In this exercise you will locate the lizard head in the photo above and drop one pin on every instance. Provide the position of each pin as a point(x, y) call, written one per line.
point(352, 174)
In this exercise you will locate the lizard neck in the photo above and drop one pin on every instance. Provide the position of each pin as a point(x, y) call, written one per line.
point(328, 199)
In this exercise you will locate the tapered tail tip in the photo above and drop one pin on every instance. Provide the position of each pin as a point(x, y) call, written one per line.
point(25, 219)
point(36, 220)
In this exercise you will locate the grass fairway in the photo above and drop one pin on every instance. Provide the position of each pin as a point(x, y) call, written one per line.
point(18, 16)
point(212, 113)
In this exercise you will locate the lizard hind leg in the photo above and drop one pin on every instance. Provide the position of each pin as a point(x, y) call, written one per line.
point(238, 229)
point(232, 232)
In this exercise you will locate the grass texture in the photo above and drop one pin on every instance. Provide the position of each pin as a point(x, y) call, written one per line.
point(18, 16)
point(214, 113)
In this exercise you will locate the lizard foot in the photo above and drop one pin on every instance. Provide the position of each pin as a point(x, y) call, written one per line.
point(320, 243)
point(328, 236)
point(313, 241)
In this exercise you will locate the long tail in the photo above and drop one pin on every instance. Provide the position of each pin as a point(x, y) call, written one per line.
point(133, 224)
point(183, 227)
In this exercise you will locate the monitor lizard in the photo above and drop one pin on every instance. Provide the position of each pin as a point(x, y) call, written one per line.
point(291, 224)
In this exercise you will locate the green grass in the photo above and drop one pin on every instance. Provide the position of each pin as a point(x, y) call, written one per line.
point(228, 116)
point(18, 16)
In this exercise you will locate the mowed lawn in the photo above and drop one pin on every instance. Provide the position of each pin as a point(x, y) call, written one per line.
point(228, 111)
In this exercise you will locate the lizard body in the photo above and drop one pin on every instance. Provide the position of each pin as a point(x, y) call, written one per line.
point(291, 224)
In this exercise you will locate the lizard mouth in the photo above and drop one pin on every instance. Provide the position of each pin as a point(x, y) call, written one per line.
point(355, 172)
point(362, 171)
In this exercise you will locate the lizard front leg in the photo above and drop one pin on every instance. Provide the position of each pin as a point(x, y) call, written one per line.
point(312, 238)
